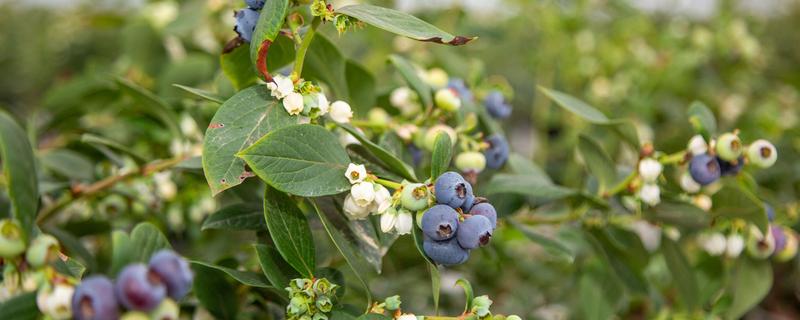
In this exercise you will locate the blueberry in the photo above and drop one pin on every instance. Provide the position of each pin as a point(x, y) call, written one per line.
point(94, 299)
point(246, 20)
point(440, 222)
point(762, 153)
point(487, 210)
point(461, 88)
point(770, 211)
point(451, 189)
point(11, 242)
point(416, 154)
point(469, 201)
point(43, 250)
point(497, 154)
point(174, 272)
point(447, 252)
point(139, 289)
point(496, 105)
point(415, 196)
point(704, 169)
point(730, 168)
point(779, 236)
point(255, 4)
point(474, 232)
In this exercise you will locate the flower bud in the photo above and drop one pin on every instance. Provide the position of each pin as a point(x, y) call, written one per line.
point(734, 245)
point(649, 169)
point(363, 193)
point(697, 145)
point(650, 194)
point(340, 112)
point(713, 243)
point(383, 199)
point(353, 210)
point(280, 86)
point(688, 184)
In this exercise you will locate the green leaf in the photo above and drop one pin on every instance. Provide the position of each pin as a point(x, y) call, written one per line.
point(69, 267)
point(402, 24)
point(360, 87)
point(269, 258)
point(551, 246)
point(598, 162)
point(247, 278)
point(373, 316)
point(205, 94)
point(531, 186)
point(576, 106)
point(152, 104)
point(680, 214)
point(101, 141)
point(72, 246)
point(702, 119)
point(409, 73)
point(749, 284)
point(467, 292)
point(442, 154)
point(523, 166)
point(267, 29)
point(239, 216)
point(593, 299)
point(237, 66)
point(626, 130)
point(304, 160)
point(394, 163)
point(682, 273)
point(239, 122)
point(620, 261)
point(68, 163)
point(345, 247)
point(214, 292)
point(733, 201)
point(20, 307)
point(290, 232)
point(19, 170)
point(144, 240)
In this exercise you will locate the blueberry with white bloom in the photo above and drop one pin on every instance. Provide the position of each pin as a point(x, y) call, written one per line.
point(497, 153)
point(447, 252)
point(461, 88)
point(255, 4)
point(246, 20)
point(704, 169)
point(496, 105)
point(474, 232)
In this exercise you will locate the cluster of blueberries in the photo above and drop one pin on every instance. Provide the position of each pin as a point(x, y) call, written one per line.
point(247, 18)
point(459, 222)
point(139, 288)
point(727, 157)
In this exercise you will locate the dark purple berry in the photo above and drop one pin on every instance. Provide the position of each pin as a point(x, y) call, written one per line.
point(496, 105)
point(255, 4)
point(447, 252)
point(727, 168)
point(94, 299)
point(440, 222)
point(174, 272)
point(139, 289)
point(451, 189)
point(474, 232)
point(246, 20)
point(487, 210)
point(497, 154)
point(704, 169)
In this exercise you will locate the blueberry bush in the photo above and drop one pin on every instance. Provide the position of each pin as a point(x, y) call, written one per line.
point(308, 159)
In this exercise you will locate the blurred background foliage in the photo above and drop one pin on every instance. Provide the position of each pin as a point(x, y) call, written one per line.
point(76, 68)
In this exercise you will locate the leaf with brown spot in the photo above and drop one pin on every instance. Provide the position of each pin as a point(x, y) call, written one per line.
point(402, 23)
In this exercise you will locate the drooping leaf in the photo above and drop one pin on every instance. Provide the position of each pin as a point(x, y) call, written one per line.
point(442, 154)
point(68, 163)
point(401, 23)
point(267, 29)
point(398, 166)
point(143, 241)
point(682, 273)
point(101, 141)
point(576, 106)
point(680, 214)
point(409, 73)
point(19, 170)
point(214, 292)
point(702, 119)
point(239, 122)
point(304, 160)
point(749, 284)
point(598, 162)
point(204, 94)
point(252, 279)
point(152, 104)
point(239, 216)
point(467, 292)
point(290, 232)
point(20, 307)
point(552, 246)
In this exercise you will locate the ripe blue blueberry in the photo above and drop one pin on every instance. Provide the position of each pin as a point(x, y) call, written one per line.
point(255, 4)
point(704, 169)
point(139, 289)
point(487, 210)
point(497, 154)
point(461, 88)
point(496, 105)
point(447, 252)
point(469, 201)
point(451, 189)
point(94, 299)
point(474, 232)
point(246, 20)
point(440, 222)
point(173, 271)
point(728, 168)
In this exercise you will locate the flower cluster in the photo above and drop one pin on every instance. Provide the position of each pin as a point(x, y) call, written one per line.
point(307, 99)
point(479, 310)
point(310, 299)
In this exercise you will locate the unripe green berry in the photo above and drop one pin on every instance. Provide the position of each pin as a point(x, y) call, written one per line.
point(167, 310)
point(11, 242)
point(447, 100)
point(759, 245)
point(513, 317)
point(43, 250)
point(415, 196)
point(433, 132)
point(729, 147)
point(378, 116)
point(471, 161)
point(134, 315)
point(762, 153)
